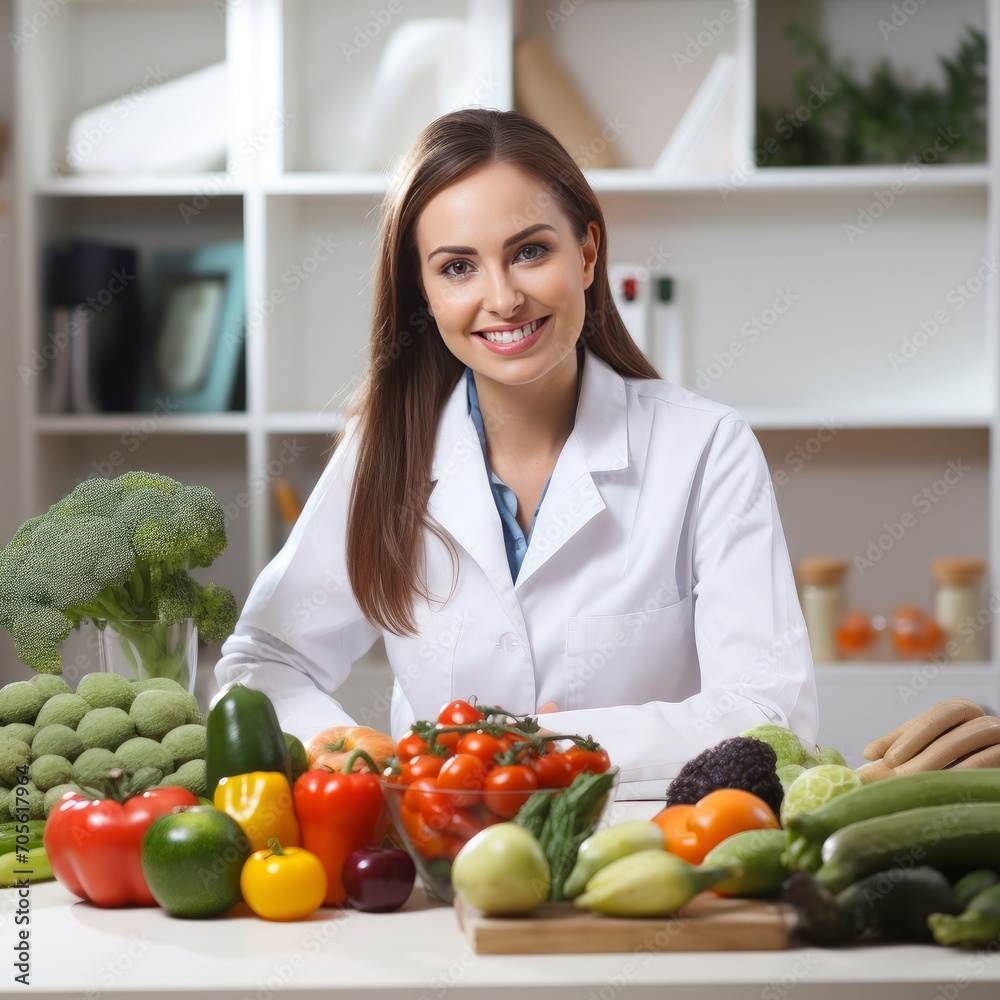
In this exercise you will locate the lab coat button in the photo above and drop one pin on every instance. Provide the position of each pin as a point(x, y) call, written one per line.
point(508, 642)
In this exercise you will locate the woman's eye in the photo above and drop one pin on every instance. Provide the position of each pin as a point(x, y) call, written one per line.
point(532, 251)
point(457, 268)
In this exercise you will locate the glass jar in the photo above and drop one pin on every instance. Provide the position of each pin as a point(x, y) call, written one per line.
point(822, 603)
point(956, 606)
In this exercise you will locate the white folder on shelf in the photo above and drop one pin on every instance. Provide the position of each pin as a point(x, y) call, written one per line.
point(702, 141)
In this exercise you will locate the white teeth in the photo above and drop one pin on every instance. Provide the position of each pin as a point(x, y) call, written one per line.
point(512, 336)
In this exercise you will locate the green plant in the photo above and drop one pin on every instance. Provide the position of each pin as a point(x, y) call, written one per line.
point(841, 120)
point(114, 551)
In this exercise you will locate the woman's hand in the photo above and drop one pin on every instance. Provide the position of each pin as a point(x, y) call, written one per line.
point(547, 708)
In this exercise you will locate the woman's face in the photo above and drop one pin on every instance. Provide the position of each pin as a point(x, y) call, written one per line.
point(503, 274)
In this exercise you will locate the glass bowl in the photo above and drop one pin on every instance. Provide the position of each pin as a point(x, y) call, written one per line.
point(433, 826)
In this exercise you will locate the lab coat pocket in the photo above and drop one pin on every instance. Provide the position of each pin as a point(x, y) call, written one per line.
point(632, 659)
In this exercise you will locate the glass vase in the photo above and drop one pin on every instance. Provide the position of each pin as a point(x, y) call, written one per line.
point(143, 649)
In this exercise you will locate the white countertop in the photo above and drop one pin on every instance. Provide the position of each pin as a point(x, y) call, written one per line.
point(84, 951)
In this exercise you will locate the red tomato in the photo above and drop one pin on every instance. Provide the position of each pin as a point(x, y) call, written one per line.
point(508, 788)
point(588, 761)
point(409, 746)
point(423, 765)
point(458, 713)
point(462, 773)
point(553, 770)
point(481, 745)
point(455, 713)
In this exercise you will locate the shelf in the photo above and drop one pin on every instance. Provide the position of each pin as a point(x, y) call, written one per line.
point(304, 423)
point(328, 182)
point(63, 424)
point(860, 418)
point(154, 185)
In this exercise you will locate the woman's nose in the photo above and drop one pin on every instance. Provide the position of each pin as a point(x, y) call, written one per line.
point(502, 295)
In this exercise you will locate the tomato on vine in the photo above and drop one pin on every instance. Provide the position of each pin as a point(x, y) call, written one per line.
point(553, 769)
point(455, 713)
point(462, 773)
point(481, 745)
point(589, 761)
point(507, 788)
point(423, 765)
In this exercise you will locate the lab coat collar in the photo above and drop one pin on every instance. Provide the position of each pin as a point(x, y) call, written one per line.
point(462, 502)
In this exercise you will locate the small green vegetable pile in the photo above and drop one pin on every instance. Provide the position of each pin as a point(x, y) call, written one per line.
point(114, 551)
point(70, 741)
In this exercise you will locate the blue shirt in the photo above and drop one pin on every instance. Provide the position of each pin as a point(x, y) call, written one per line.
point(513, 537)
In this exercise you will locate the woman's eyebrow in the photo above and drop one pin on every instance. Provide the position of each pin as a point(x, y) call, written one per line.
point(516, 238)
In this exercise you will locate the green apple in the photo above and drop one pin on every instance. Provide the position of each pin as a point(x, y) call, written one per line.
point(502, 870)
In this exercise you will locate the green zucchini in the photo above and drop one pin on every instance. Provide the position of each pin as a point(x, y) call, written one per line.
point(978, 924)
point(893, 904)
point(962, 836)
point(31, 835)
point(242, 734)
point(891, 795)
point(758, 853)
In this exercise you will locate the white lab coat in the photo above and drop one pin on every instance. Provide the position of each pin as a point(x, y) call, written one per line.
point(655, 604)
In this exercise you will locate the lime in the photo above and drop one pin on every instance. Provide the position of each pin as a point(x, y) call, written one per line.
point(788, 773)
point(831, 755)
point(815, 787)
point(192, 860)
point(786, 745)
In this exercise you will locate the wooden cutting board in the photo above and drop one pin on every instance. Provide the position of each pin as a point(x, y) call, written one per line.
point(707, 923)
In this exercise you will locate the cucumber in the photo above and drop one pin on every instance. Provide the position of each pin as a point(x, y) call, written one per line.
point(894, 904)
point(891, 795)
point(758, 852)
point(32, 830)
point(972, 884)
point(962, 836)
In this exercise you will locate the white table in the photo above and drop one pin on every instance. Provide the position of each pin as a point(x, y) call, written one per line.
point(419, 952)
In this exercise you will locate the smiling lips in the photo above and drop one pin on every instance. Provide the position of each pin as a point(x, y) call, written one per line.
point(515, 340)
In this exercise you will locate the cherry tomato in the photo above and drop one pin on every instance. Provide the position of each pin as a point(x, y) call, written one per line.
point(455, 713)
point(481, 745)
point(588, 761)
point(409, 746)
point(508, 788)
point(509, 740)
point(553, 770)
point(462, 774)
point(427, 842)
point(423, 765)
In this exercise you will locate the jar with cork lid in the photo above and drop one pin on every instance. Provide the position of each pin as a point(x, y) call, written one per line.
point(957, 605)
point(822, 603)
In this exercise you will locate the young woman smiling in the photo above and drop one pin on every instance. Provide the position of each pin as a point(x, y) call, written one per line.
point(519, 506)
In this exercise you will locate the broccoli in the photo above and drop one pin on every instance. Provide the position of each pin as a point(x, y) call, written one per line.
point(185, 743)
point(13, 754)
point(739, 762)
point(51, 685)
point(114, 551)
point(155, 713)
point(20, 701)
point(101, 690)
point(107, 728)
point(59, 740)
point(18, 731)
point(62, 709)
point(190, 776)
point(49, 770)
point(92, 767)
point(141, 752)
point(53, 795)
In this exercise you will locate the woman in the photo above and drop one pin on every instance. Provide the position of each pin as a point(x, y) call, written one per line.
point(520, 507)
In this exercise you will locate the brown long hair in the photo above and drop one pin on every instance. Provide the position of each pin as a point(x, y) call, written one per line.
point(411, 373)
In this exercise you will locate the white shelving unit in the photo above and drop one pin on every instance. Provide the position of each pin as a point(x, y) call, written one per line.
point(299, 193)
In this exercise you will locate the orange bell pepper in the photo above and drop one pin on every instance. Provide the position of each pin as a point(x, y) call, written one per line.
point(691, 831)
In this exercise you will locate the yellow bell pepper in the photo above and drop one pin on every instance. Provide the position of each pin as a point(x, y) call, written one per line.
point(283, 883)
point(261, 802)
